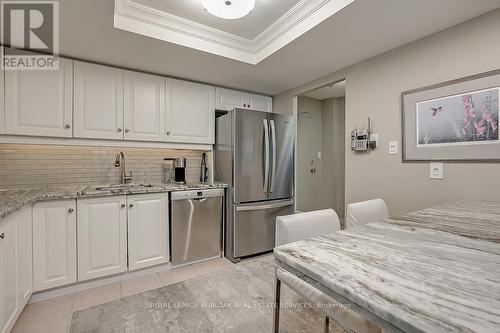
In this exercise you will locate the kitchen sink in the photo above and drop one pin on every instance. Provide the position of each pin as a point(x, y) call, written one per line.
point(121, 187)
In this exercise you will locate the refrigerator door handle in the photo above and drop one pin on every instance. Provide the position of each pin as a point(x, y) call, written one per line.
point(265, 206)
point(266, 154)
point(273, 138)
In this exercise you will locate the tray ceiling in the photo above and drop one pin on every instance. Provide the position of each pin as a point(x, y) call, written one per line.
point(265, 13)
point(270, 26)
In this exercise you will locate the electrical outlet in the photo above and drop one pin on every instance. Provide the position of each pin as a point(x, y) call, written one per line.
point(436, 170)
point(393, 148)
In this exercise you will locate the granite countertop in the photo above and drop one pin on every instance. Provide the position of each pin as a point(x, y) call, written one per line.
point(13, 199)
point(441, 274)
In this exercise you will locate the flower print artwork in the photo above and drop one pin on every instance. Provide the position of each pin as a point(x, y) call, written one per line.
point(459, 119)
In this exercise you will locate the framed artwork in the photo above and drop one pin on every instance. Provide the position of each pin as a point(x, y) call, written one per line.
point(454, 121)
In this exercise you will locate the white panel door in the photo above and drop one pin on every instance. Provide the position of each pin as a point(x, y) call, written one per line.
point(148, 230)
point(54, 244)
point(260, 103)
point(98, 101)
point(40, 102)
point(190, 112)
point(9, 300)
point(144, 106)
point(102, 237)
point(25, 255)
point(227, 99)
point(2, 101)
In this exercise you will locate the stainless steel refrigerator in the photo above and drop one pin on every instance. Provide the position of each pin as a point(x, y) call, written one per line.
point(254, 155)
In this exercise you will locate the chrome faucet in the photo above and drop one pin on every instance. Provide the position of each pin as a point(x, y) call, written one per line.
point(120, 160)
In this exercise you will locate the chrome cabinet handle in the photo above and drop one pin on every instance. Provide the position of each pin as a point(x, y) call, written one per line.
point(130, 206)
point(67, 126)
point(2, 235)
point(119, 130)
point(126, 130)
point(123, 205)
point(71, 210)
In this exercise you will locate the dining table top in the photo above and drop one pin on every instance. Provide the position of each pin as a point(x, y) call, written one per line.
point(434, 270)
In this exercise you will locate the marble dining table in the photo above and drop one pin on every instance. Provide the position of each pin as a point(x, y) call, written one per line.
point(434, 270)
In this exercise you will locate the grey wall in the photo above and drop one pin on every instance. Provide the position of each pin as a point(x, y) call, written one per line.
point(373, 88)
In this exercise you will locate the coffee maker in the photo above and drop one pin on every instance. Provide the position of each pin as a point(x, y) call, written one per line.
point(178, 171)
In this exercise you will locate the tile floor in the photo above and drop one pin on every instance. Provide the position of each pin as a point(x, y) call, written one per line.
point(54, 315)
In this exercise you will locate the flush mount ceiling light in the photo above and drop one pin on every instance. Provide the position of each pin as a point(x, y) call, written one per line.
point(229, 9)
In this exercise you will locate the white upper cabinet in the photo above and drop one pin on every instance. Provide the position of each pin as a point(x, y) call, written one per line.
point(98, 101)
point(54, 244)
point(260, 103)
point(40, 102)
point(148, 231)
point(190, 114)
point(2, 100)
point(227, 99)
point(144, 106)
point(102, 237)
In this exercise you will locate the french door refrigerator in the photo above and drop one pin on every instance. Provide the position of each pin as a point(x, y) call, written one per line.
point(254, 155)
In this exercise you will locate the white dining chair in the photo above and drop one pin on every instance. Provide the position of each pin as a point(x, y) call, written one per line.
point(292, 228)
point(360, 213)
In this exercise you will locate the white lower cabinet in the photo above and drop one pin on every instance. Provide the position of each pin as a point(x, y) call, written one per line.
point(15, 273)
point(148, 232)
point(102, 237)
point(54, 244)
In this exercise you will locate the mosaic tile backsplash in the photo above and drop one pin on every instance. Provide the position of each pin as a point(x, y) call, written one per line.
point(40, 166)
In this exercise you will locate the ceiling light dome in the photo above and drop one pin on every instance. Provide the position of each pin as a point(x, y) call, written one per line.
point(229, 9)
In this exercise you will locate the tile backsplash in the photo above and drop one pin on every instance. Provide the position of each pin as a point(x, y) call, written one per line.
point(28, 166)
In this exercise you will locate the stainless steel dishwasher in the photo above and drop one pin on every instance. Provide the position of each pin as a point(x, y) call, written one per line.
point(196, 225)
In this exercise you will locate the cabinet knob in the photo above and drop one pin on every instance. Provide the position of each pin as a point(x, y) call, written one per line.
point(123, 205)
point(2, 235)
point(119, 130)
point(130, 205)
point(168, 133)
point(126, 130)
point(71, 210)
point(67, 126)
point(244, 105)
point(249, 105)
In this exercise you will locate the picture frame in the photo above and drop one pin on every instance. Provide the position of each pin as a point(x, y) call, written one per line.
point(453, 121)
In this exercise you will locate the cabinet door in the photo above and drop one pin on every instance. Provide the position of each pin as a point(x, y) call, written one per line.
point(9, 301)
point(54, 244)
point(260, 103)
point(190, 112)
point(102, 237)
point(40, 102)
point(148, 232)
point(25, 255)
point(2, 101)
point(229, 99)
point(98, 101)
point(144, 105)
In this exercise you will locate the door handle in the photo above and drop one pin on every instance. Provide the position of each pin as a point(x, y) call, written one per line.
point(266, 154)
point(273, 138)
point(199, 199)
point(265, 206)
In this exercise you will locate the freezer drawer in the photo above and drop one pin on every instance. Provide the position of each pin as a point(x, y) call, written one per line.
point(196, 225)
point(255, 224)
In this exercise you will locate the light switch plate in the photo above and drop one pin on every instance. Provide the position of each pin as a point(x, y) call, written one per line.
point(319, 155)
point(436, 170)
point(393, 148)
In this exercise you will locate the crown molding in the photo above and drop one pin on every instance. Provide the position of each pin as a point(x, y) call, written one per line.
point(306, 14)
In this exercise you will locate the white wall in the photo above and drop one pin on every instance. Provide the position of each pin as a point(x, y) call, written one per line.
point(374, 87)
